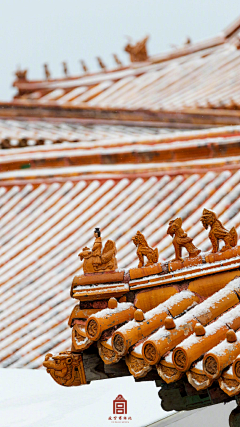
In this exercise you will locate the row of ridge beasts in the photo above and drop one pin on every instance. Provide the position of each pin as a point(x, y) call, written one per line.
point(181, 239)
point(67, 368)
point(137, 52)
point(96, 260)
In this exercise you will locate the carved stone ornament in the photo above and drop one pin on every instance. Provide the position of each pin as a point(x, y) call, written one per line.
point(138, 52)
point(144, 250)
point(98, 260)
point(181, 240)
point(218, 232)
point(66, 368)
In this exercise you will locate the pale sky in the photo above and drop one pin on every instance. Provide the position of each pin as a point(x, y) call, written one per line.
point(38, 31)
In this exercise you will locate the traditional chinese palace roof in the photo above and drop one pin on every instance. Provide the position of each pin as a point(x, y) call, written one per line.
point(48, 213)
point(126, 150)
point(197, 78)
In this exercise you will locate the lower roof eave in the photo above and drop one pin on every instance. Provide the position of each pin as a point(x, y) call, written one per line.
point(117, 171)
point(186, 118)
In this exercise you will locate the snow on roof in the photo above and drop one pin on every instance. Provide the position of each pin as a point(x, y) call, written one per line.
point(203, 78)
point(210, 303)
point(39, 136)
point(224, 345)
point(177, 298)
point(49, 211)
point(209, 330)
point(43, 227)
point(201, 309)
point(120, 307)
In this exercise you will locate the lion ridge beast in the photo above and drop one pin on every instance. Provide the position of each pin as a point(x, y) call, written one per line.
point(218, 232)
point(144, 250)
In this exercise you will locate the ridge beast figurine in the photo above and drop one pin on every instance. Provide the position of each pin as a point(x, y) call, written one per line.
point(143, 249)
point(66, 368)
point(218, 232)
point(96, 260)
point(21, 74)
point(138, 52)
point(156, 323)
point(181, 240)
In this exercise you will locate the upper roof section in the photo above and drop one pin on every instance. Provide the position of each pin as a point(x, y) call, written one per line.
point(196, 76)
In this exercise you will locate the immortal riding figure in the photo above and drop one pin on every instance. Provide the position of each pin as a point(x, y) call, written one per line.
point(97, 248)
point(98, 260)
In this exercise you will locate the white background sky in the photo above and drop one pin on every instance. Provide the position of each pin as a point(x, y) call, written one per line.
point(38, 31)
point(37, 401)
